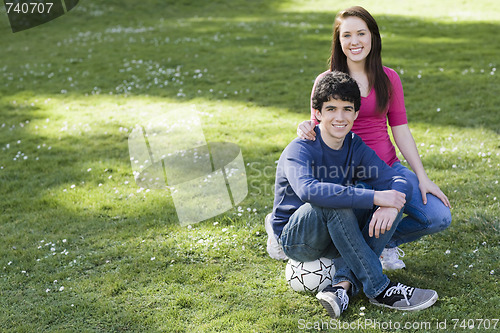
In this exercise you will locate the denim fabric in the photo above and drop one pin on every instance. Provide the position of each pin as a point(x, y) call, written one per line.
point(421, 219)
point(341, 234)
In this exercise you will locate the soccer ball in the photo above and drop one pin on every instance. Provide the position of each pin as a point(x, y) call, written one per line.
point(311, 276)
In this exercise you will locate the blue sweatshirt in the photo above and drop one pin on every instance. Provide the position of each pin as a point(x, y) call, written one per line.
point(311, 172)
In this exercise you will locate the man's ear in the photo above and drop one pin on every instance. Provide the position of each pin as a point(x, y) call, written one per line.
point(356, 114)
point(317, 113)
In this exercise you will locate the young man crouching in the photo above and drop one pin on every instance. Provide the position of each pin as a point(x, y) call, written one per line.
point(319, 213)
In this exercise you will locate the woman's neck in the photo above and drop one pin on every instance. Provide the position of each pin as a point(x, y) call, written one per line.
point(356, 67)
point(358, 73)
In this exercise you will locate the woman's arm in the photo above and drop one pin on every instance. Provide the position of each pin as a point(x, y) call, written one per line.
point(406, 144)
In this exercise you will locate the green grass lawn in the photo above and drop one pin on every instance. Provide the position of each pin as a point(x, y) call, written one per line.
point(85, 249)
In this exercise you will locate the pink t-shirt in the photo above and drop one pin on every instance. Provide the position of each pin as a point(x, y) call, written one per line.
point(371, 125)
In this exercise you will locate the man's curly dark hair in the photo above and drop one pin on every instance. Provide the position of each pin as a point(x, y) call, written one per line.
point(336, 85)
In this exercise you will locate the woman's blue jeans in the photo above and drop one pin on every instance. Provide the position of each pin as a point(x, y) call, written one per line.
point(341, 234)
point(421, 219)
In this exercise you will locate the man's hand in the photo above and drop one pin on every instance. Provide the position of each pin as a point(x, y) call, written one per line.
point(389, 198)
point(382, 220)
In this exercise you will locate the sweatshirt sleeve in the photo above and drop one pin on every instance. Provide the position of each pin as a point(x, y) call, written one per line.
point(299, 173)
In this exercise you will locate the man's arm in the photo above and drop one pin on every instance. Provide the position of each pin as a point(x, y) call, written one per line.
point(299, 173)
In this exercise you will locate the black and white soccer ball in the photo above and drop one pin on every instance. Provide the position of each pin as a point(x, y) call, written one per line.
point(310, 276)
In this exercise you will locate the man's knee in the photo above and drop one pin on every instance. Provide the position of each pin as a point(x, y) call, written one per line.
point(331, 214)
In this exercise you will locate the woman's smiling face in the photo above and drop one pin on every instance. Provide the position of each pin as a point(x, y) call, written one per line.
point(355, 39)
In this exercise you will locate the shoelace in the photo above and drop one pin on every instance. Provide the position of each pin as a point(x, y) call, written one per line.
point(344, 299)
point(400, 252)
point(395, 253)
point(400, 289)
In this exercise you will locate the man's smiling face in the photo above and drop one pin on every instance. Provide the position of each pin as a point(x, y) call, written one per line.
point(336, 120)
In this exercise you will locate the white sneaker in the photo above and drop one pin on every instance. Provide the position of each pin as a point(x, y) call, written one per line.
point(273, 247)
point(390, 259)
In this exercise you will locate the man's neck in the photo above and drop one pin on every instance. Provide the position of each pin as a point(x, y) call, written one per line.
point(333, 143)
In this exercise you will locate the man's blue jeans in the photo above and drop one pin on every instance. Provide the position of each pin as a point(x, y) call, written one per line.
point(341, 234)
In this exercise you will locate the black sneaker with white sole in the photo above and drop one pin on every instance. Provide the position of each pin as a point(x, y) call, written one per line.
point(334, 300)
point(401, 297)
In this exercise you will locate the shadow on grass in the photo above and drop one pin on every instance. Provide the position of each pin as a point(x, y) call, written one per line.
point(253, 53)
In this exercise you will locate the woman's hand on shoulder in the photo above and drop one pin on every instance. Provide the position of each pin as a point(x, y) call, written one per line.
point(306, 130)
